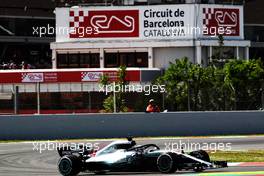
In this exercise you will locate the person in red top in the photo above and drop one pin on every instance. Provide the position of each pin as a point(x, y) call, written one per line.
point(152, 107)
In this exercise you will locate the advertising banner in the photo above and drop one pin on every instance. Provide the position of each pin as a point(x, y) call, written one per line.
point(103, 23)
point(64, 76)
point(183, 21)
point(32, 77)
point(134, 22)
point(166, 22)
point(222, 20)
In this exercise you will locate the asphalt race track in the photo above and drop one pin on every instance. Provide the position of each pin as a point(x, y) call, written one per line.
point(20, 158)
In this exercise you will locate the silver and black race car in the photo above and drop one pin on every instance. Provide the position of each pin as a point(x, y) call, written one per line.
point(126, 156)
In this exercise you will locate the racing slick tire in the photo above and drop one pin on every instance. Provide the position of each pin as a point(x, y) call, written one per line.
point(200, 154)
point(69, 165)
point(166, 163)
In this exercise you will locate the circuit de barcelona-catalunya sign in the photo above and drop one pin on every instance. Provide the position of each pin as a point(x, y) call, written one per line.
point(186, 21)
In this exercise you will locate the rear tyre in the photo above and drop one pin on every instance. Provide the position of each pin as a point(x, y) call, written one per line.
point(69, 165)
point(166, 163)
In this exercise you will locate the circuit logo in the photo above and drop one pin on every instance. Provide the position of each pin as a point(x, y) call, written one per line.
point(32, 77)
point(103, 23)
point(224, 20)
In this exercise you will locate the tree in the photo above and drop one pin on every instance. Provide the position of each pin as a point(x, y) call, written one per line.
point(175, 80)
point(246, 78)
point(236, 85)
point(221, 56)
point(118, 100)
point(104, 80)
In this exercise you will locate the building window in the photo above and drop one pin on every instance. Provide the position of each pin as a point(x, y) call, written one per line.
point(25, 27)
point(85, 60)
point(111, 60)
point(142, 59)
point(254, 33)
point(133, 59)
point(62, 60)
point(74, 61)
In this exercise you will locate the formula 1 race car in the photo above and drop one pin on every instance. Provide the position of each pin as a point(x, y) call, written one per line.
point(126, 156)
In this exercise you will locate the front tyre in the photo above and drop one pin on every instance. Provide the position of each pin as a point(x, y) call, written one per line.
point(166, 164)
point(69, 165)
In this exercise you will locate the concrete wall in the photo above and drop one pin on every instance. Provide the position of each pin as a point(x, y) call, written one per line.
point(162, 56)
point(121, 125)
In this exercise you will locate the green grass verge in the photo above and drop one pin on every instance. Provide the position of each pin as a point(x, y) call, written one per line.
point(238, 156)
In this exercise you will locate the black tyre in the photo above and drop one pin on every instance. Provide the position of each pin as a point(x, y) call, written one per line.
point(166, 163)
point(69, 165)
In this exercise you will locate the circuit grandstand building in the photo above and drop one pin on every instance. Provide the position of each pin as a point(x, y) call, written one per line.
point(148, 36)
point(96, 40)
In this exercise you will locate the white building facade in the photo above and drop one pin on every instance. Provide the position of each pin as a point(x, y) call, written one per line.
point(155, 35)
